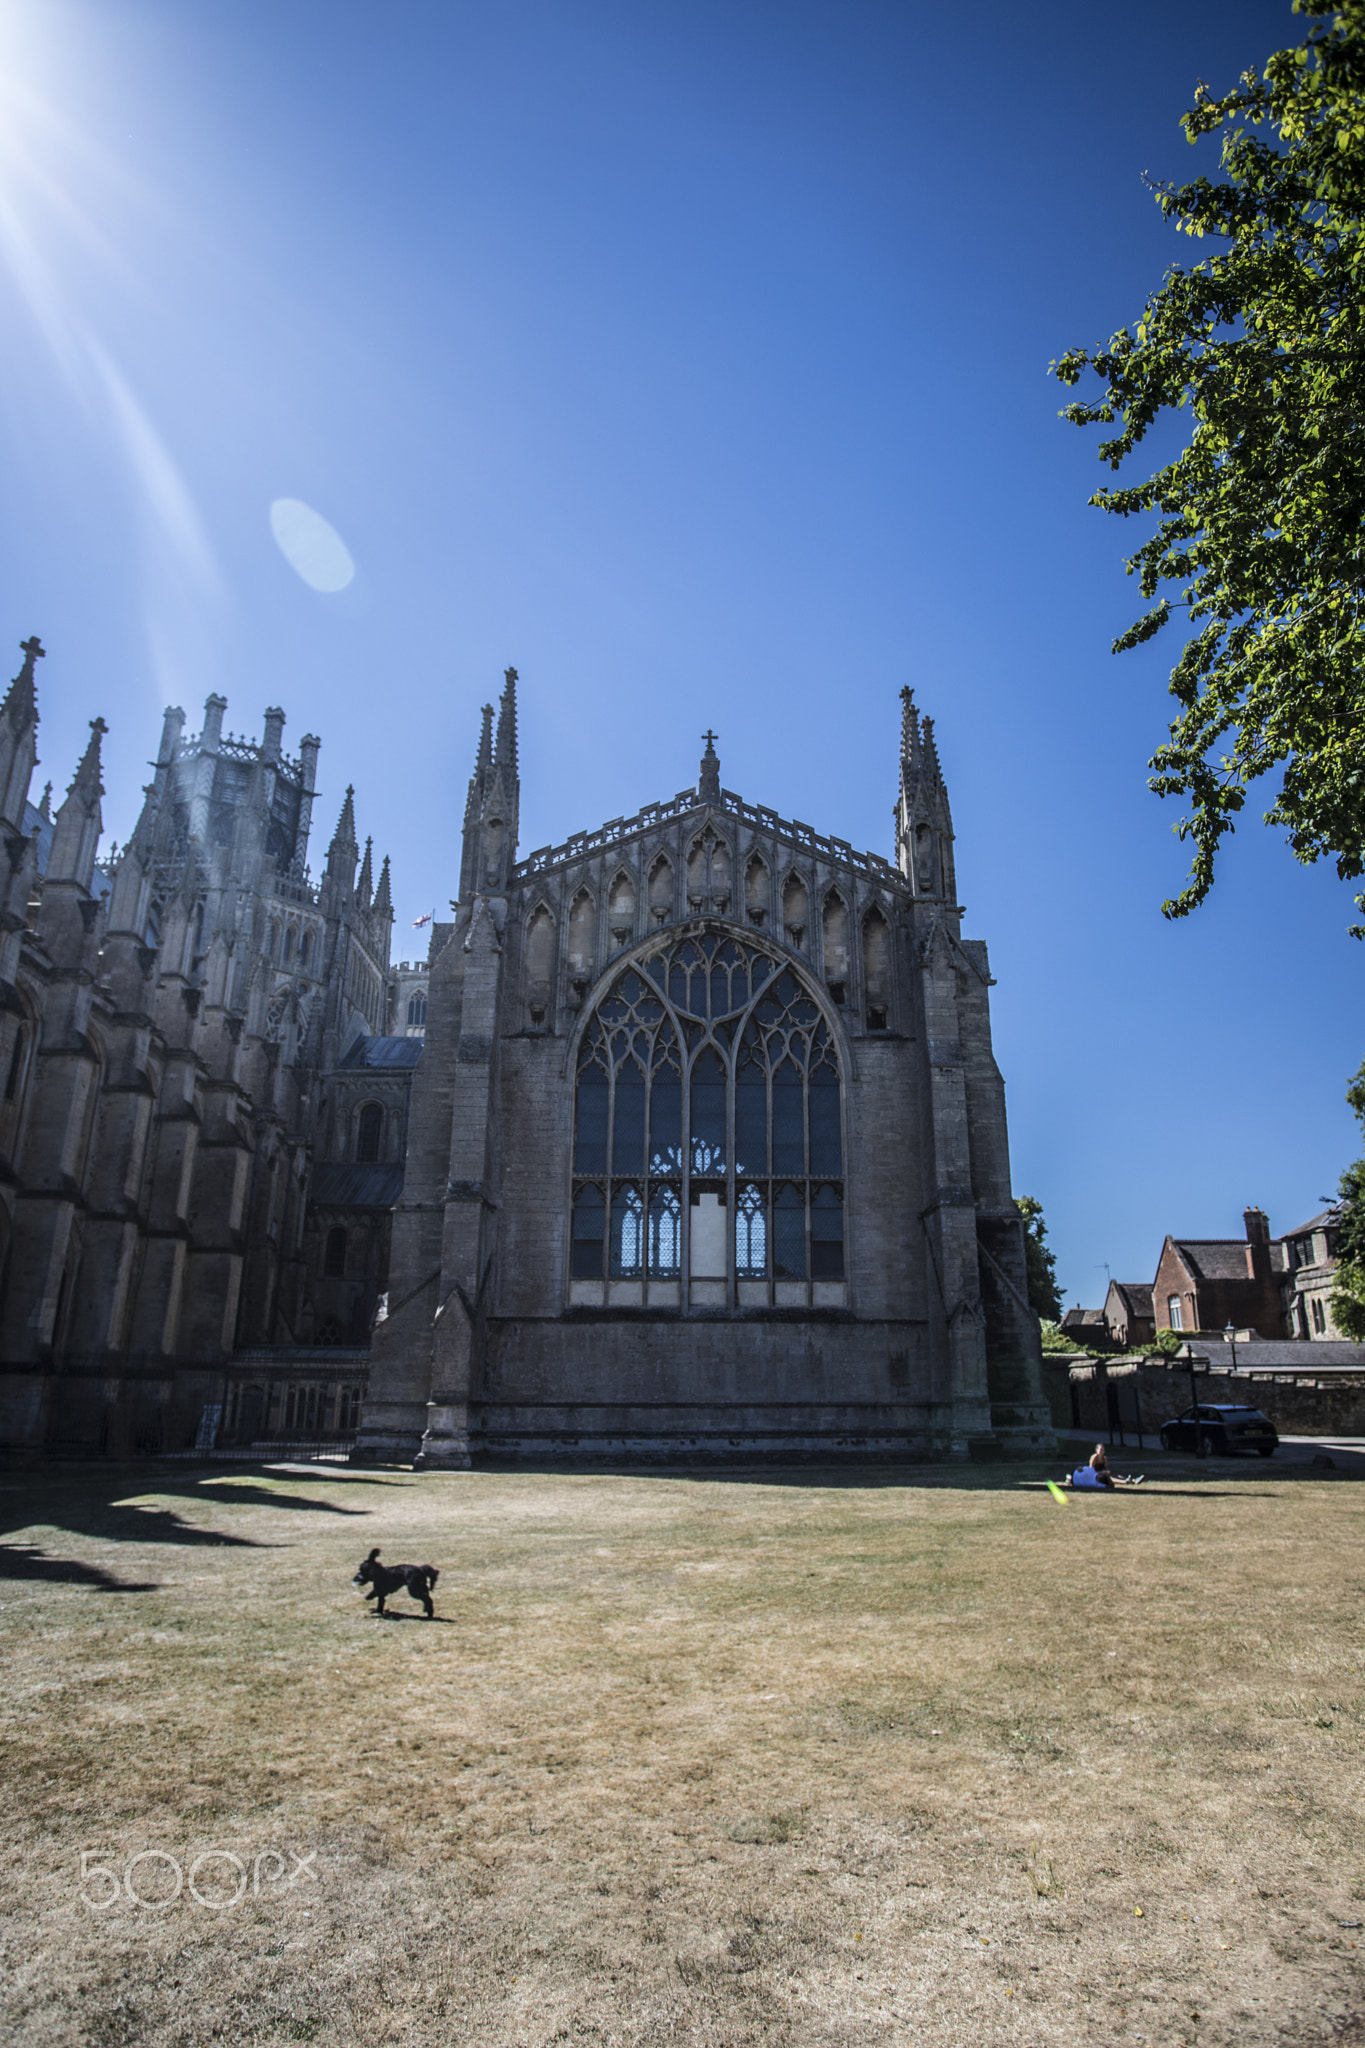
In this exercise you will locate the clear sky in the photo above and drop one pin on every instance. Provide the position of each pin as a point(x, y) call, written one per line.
point(691, 356)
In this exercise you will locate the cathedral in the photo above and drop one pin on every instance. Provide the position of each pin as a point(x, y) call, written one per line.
point(204, 1106)
point(687, 1141)
point(706, 1149)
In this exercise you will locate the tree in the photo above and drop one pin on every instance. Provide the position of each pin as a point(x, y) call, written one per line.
point(1348, 1295)
point(1260, 536)
point(1043, 1296)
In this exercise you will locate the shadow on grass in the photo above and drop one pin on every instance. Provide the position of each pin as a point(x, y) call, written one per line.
point(28, 1564)
point(95, 1502)
point(407, 1614)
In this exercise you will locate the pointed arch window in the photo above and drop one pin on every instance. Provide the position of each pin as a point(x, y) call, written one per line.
point(369, 1132)
point(708, 1128)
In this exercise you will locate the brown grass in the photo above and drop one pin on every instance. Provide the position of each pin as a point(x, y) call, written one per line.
point(688, 1760)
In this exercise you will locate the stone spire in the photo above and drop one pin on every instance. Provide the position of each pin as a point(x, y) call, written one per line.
point(76, 834)
point(492, 812)
point(45, 807)
point(708, 781)
point(924, 822)
point(364, 888)
point(383, 900)
point(507, 725)
point(344, 851)
point(19, 737)
point(483, 768)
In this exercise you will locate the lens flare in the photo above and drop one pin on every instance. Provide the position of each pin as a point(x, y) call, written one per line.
point(313, 548)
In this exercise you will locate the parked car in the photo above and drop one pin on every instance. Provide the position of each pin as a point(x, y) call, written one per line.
point(1224, 1429)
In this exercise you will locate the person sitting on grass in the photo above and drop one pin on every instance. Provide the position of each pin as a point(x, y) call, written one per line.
point(1096, 1476)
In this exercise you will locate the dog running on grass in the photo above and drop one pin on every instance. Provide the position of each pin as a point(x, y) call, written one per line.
point(383, 1580)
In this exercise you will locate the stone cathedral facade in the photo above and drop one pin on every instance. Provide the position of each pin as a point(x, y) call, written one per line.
point(203, 1106)
point(707, 1150)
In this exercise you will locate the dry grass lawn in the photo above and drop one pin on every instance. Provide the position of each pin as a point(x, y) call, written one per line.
point(811, 1758)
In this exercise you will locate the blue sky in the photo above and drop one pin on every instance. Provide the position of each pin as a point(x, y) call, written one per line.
point(690, 355)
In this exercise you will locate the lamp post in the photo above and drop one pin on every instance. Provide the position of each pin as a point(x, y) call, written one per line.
point(1231, 1335)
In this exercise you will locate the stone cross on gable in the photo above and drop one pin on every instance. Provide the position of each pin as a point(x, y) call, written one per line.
point(710, 738)
point(33, 648)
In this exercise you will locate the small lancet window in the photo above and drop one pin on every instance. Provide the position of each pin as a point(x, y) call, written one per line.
point(334, 1261)
point(627, 1234)
point(795, 911)
point(581, 917)
point(369, 1132)
point(756, 890)
point(751, 1235)
point(665, 1234)
point(621, 910)
point(661, 890)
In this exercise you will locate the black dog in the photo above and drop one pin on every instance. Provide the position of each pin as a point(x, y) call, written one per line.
point(384, 1579)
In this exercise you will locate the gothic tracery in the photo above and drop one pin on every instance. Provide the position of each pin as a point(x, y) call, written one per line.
point(708, 1125)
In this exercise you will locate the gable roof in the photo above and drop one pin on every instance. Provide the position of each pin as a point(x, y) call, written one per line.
point(1326, 1219)
point(1214, 1258)
point(1136, 1295)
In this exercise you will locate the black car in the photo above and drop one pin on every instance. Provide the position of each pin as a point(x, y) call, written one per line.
point(1223, 1429)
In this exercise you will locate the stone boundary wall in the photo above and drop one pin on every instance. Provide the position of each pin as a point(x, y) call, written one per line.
point(1104, 1394)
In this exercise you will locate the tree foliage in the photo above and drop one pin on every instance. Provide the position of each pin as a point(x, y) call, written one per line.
point(1260, 534)
point(1348, 1294)
point(1044, 1298)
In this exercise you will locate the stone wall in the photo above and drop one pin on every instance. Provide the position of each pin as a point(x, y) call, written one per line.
point(1329, 1402)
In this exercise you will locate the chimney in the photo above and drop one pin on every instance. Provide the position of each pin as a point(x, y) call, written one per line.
point(1258, 1243)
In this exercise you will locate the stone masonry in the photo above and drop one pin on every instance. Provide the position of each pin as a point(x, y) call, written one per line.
point(814, 1252)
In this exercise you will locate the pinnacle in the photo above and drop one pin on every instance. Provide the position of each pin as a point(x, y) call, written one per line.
point(21, 699)
point(383, 899)
point(87, 776)
point(708, 782)
point(507, 724)
point(344, 836)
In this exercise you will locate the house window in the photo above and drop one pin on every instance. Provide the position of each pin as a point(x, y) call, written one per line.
point(708, 1096)
point(1173, 1314)
point(369, 1132)
point(1319, 1316)
point(334, 1259)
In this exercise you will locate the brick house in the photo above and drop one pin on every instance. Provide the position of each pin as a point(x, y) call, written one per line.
point(1206, 1283)
point(1129, 1316)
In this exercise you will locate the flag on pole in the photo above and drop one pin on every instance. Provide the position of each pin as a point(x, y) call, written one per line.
point(418, 922)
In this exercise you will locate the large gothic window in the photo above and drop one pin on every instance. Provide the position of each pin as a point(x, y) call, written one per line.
point(707, 1129)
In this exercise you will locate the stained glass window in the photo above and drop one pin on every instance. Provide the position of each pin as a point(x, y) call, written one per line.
point(708, 1085)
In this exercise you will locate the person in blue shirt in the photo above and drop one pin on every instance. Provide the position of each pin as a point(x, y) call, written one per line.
point(1095, 1477)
